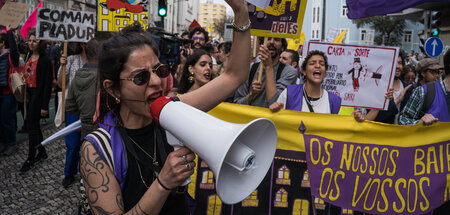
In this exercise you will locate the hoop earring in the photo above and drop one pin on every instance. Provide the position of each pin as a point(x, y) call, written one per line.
point(117, 100)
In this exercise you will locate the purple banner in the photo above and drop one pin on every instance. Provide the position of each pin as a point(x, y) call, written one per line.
point(366, 8)
point(379, 179)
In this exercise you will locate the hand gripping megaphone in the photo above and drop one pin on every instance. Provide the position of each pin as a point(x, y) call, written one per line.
point(238, 154)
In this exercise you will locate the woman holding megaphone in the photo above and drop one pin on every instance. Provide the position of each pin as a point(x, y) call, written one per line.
point(127, 166)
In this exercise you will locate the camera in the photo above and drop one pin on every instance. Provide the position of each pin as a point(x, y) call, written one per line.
point(169, 45)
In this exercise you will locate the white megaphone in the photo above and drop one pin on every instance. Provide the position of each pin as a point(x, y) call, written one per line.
point(238, 154)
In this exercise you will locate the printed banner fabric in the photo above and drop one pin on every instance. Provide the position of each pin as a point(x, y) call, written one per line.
point(281, 19)
point(332, 164)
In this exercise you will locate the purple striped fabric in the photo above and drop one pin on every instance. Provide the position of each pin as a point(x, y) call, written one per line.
point(366, 8)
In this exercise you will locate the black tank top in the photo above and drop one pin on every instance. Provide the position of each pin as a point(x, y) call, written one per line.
point(134, 187)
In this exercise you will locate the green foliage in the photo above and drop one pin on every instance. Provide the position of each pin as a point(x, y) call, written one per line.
point(389, 27)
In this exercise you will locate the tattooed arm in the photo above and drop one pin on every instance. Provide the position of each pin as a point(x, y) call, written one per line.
point(103, 190)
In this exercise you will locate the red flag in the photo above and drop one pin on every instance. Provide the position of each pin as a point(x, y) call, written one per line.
point(31, 22)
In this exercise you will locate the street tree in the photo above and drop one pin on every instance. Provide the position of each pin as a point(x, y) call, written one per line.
point(388, 29)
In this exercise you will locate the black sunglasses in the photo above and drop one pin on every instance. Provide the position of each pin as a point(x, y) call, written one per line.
point(143, 76)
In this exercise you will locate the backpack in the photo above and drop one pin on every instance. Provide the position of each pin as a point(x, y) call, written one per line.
point(254, 68)
point(430, 93)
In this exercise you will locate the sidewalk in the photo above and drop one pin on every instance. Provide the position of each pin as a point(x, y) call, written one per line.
point(38, 191)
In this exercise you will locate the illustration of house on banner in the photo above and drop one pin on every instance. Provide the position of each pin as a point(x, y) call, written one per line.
point(116, 19)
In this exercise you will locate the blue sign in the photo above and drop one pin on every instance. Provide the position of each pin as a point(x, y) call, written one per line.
point(434, 47)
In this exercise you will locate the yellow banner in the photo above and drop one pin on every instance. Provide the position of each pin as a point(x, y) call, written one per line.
point(115, 15)
point(289, 189)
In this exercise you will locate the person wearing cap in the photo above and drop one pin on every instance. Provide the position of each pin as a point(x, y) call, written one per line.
point(414, 111)
point(428, 70)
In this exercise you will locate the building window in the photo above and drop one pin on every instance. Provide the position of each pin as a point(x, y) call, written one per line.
point(135, 17)
point(314, 15)
point(207, 180)
point(105, 11)
point(251, 200)
point(344, 10)
point(366, 36)
point(214, 205)
point(118, 11)
point(363, 35)
point(281, 198)
point(407, 36)
point(318, 13)
point(105, 23)
point(301, 207)
point(125, 22)
point(117, 22)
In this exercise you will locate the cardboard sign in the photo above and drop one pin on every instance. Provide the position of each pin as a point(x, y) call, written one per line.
point(12, 13)
point(65, 25)
point(281, 19)
point(360, 75)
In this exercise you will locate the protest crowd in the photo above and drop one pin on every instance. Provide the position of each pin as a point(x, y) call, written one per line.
point(112, 80)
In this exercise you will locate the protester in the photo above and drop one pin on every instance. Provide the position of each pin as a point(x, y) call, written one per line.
point(38, 73)
point(224, 53)
point(289, 57)
point(428, 70)
point(82, 91)
point(124, 64)
point(275, 77)
point(417, 110)
point(196, 72)
point(55, 56)
point(73, 141)
point(409, 74)
point(200, 37)
point(309, 97)
point(9, 56)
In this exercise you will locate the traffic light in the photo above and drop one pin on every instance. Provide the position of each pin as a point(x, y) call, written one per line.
point(162, 8)
point(435, 22)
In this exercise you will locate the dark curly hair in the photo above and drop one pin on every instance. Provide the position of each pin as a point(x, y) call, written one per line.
point(185, 84)
point(200, 30)
point(113, 55)
point(312, 53)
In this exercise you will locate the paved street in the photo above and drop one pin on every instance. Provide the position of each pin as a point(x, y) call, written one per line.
point(39, 191)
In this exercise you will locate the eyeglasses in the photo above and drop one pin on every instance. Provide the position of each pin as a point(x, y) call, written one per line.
point(434, 71)
point(198, 38)
point(143, 76)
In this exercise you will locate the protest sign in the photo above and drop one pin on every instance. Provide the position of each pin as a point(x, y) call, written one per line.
point(12, 13)
point(116, 15)
point(65, 25)
point(407, 166)
point(360, 75)
point(281, 19)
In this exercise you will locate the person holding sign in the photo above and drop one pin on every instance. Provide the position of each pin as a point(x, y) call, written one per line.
point(310, 96)
point(275, 77)
point(147, 173)
point(38, 73)
point(430, 103)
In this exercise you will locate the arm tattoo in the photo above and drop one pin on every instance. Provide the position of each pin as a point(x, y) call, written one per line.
point(91, 165)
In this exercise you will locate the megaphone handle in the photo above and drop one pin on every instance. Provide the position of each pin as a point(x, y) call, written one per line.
point(188, 181)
